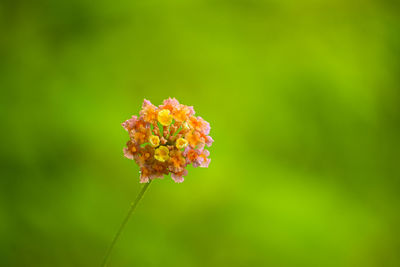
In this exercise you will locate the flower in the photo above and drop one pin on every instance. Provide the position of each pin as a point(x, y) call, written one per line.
point(154, 140)
point(161, 154)
point(194, 138)
point(129, 124)
point(170, 148)
point(148, 112)
point(199, 124)
point(164, 117)
point(181, 143)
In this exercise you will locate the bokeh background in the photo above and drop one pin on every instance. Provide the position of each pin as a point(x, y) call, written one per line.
point(303, 99)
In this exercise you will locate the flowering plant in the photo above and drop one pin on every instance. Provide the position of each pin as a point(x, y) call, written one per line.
point(167, 138)
point(162, 140)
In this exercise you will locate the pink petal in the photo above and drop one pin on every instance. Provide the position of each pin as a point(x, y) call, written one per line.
point(177, 178)
point(144, 180)
point(128, 124)
point(205, 163)
point(128, 153)
point(209, 141)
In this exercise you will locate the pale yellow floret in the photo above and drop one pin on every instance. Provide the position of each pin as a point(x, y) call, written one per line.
point(181, 143)
point(164, 117)
point(154, 140)
point(161, 154)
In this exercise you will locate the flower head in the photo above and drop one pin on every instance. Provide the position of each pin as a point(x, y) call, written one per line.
point(171, 148)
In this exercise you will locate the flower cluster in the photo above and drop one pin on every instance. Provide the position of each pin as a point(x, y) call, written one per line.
point(166, 139)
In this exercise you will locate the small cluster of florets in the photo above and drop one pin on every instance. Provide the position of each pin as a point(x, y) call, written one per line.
point(166, 139)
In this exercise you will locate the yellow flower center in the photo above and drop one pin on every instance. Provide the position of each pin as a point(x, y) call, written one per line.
point(164, 117)
point(161, 154)
point(154, 140)
point(181, 143)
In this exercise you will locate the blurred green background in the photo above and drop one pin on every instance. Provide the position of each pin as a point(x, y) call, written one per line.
point(304, 103)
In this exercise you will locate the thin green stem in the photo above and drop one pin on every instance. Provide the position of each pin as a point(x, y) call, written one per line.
point(124, 222)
